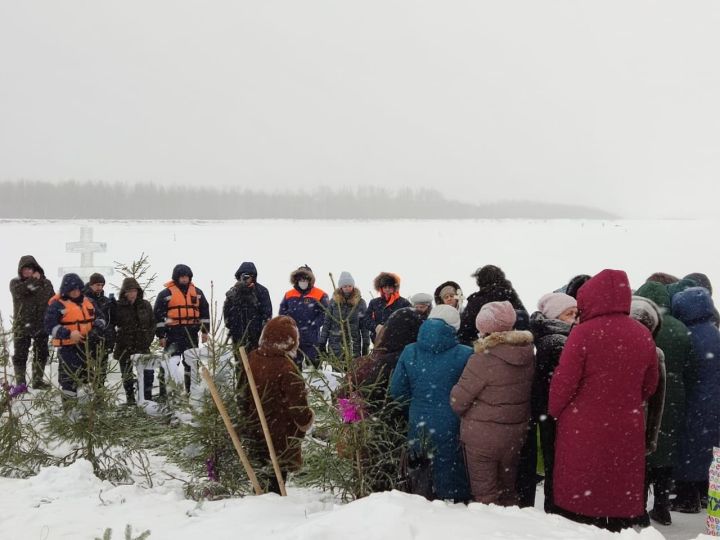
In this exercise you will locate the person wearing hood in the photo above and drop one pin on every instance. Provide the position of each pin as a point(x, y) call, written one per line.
point(73, 321)
point(647, 313)
point(449, 293)
point(550, 327)
point(673, 338)
point(423, 378)
point(247, 308)
point(662, 277)
point(608, 369)
point(492, 287)
point(344, 326)
point(134, 324)
point(703, 281)
point(389, 301)
point(30, 292)
point(422, 304)
point(181, 313)
point(694, 307)
point(306, 304)
point(95, 290)
point(283, 395)
point(492, 399)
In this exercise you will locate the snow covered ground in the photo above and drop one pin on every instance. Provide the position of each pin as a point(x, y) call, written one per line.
point(71, 503)
point(538, 256)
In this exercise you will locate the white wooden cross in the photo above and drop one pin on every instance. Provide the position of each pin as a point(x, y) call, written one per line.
point(86, 248)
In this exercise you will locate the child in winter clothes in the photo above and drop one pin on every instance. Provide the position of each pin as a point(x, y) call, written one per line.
point(492, 399)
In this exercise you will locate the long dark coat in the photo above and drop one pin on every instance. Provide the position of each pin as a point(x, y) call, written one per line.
point(681, 370)
point(607, 370)
point(695, 308)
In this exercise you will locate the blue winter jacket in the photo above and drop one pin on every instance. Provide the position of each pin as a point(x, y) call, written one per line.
point(695, 308)
point(307, 309)
point(424, 376)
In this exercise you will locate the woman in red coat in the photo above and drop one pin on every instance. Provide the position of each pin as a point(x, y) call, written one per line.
point(607, 370)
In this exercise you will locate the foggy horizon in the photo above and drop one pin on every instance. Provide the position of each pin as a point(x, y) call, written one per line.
point(608, 105)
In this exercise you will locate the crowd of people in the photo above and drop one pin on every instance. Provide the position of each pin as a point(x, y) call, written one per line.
point(618, 391)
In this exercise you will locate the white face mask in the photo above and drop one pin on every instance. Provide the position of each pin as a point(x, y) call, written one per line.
point(303, 284)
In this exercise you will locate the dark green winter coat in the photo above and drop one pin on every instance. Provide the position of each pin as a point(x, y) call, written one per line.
point(134, 323)
point(30, 299)
point(674, 340)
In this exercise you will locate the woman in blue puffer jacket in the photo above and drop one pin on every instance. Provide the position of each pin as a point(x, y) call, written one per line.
point(425, 374)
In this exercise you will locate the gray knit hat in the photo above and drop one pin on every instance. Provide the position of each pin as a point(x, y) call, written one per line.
point(345, 279)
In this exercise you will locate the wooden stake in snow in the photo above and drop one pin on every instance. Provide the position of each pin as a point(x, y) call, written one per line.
point(230, 429)
point(263, 421)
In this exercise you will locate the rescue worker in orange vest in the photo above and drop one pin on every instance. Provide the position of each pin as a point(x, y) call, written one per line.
point(181, 312)
point(73, 321)
point(306, 305)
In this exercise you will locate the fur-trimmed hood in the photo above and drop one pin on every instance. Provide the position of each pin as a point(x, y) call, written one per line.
point(353, 300)
point(303, 270)
point(513, 338)
point(130, 283)
point(386, 278)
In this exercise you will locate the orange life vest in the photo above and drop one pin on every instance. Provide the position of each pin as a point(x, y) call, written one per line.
point(183, 309)
point(76, 316)
point(315, 293)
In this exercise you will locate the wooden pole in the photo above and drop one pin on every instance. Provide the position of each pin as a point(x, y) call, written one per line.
point(263, 420)
point(230, 429)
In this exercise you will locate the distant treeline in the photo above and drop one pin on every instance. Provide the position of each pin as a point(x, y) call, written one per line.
point(98, 200)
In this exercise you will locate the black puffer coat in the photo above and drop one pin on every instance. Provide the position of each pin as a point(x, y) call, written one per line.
point(247, 308)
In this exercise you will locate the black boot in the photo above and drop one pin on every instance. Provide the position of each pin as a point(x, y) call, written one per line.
point(661, 515)
point(687, 500)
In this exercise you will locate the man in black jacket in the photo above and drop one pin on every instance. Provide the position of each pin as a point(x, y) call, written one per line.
point(30, 291)
point(95, 290)
point(247, 308)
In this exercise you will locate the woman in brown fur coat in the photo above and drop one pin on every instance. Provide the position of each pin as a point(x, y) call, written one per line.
point(492, 399)
point(283, 395)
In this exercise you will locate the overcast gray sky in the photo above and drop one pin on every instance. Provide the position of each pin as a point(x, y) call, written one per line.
point(614, 104)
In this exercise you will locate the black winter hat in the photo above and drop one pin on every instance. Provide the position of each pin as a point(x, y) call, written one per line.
point(181, 270)
point(96, 278)
point(400, 329)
